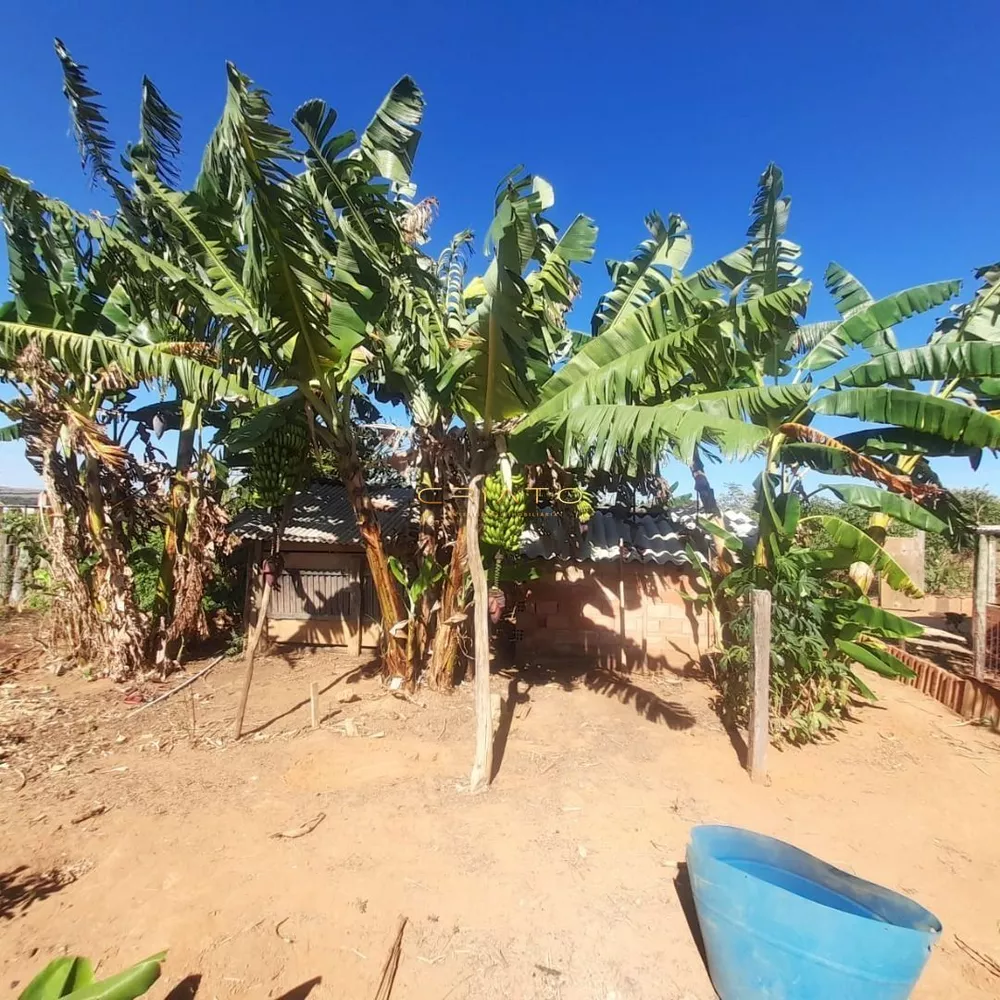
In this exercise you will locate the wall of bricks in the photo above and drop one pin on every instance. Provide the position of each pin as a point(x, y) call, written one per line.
point(576, 611)
point(972, 699)
point(929, 604)
point(909, 553)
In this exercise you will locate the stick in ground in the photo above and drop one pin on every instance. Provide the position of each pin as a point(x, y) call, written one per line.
point(391, 964)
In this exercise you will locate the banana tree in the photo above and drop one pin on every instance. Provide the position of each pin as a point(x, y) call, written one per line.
point(949, 417)
point(291, 253)
point(148, 310)
point(424, 322)
point(515, 331)
point(953, 415)
point(437, 357)
point(72, 365)
point(163, 317)
point(676, 362)
point(726, 365)
point(477, 352)
point(821, 628)
point(415, 586)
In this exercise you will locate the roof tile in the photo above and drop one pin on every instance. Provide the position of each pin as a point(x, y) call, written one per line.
point(322, 513)
point(645, 538)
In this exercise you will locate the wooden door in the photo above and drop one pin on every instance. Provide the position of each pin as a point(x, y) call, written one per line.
point(317, 599)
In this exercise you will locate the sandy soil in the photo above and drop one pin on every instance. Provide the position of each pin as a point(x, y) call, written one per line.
point(563, 882)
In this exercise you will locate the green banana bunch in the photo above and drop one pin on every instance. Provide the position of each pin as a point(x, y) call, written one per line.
point(585, 508)
point(278, 462)
point(503, 513)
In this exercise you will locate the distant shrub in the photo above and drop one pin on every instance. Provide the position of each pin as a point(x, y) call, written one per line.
point(223, 591)
point(144, 561)
point(948, 563)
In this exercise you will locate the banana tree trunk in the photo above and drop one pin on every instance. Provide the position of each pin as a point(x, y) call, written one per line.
point(121, 625)
point(706, 495)
point(482, 766)
point(395, 660)
point(71, 622)
point(444, 651)
point(6, 569)
point(175, 529)
point(427, 548)
point(427, 537)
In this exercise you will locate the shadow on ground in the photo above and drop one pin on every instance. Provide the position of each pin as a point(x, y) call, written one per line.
point(514, 698)
point(622, 687)
point(187, 989)
point(739, 743)
point(682, 886)
point(20, 888)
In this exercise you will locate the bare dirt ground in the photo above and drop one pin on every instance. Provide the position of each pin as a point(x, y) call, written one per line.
point(561, 883)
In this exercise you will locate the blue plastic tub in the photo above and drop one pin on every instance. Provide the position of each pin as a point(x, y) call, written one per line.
point(782, 925)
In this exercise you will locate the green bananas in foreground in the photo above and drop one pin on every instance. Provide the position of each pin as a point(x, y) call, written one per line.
point(278, 462)
point(503, 513)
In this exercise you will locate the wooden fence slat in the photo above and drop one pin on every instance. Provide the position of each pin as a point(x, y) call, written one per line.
point(314, 704)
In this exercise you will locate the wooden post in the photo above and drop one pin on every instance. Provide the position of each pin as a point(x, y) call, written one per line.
point(991, 571)
point(357, 596)
point(314, 704)
point(265, 606)
point(254, 638)
point(482, 766)
point(760, 660)
point(253, 576)
point(980, 598)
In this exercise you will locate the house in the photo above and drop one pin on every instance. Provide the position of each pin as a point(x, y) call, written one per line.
point(22, 498)
point(617, 595)
point(324, 595)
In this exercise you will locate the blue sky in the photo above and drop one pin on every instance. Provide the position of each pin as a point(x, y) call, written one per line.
point(878, 114)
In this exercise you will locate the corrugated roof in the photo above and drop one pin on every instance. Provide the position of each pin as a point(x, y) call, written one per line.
point(736, 522)
point(322, 513)
point(19, 496)
point(646, 538)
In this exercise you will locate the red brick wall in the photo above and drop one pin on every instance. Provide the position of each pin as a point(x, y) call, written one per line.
point(574, 612)
point(965, 695)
